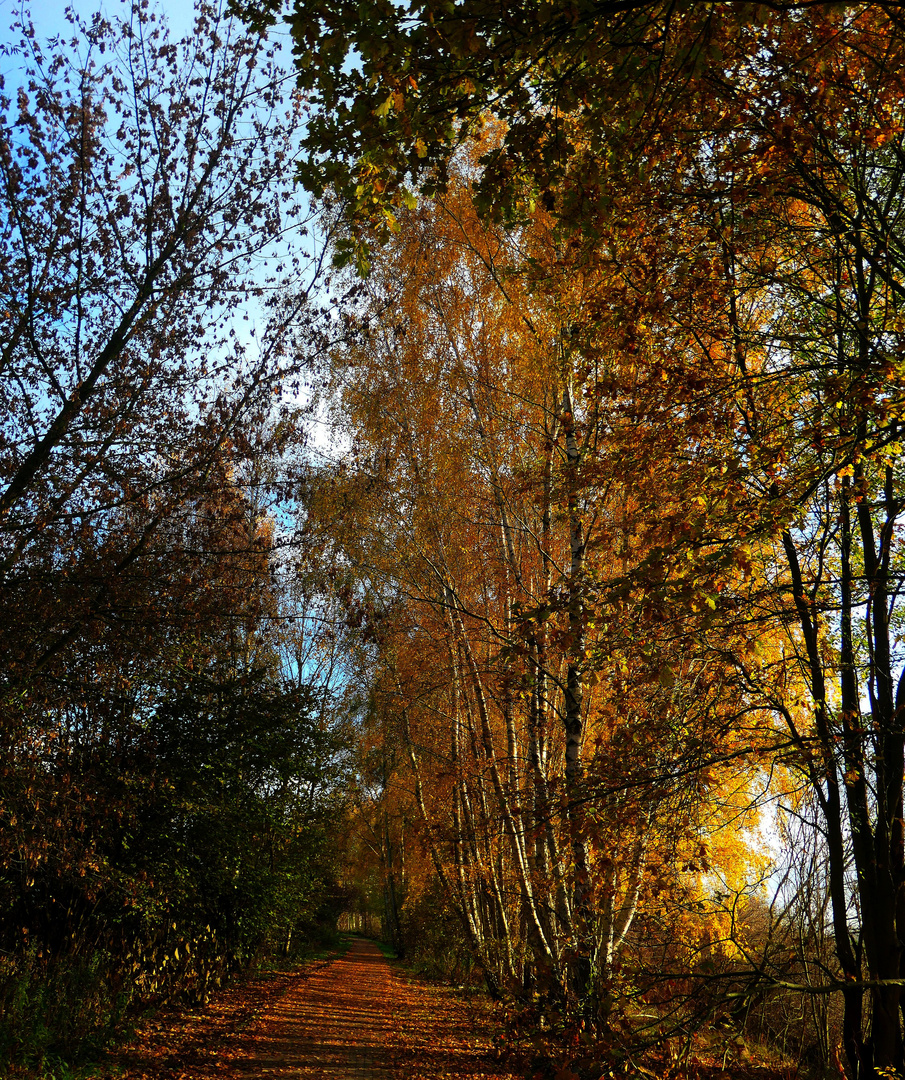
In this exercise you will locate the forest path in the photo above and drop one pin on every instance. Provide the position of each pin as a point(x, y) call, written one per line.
point(356, 1017)
point(339, 1023)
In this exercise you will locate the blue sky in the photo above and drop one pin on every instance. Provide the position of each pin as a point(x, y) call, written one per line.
point(49, 18)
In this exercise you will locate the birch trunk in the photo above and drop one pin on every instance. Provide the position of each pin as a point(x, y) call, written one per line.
point(574, 719)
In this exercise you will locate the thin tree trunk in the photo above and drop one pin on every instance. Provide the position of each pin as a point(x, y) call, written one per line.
point(449, 888)
point(574, 721)
point(486, 741)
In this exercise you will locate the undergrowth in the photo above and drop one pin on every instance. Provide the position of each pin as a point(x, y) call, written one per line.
point(58, 1016)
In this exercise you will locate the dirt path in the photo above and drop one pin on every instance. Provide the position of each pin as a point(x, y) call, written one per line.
point(340, 1024)
point(357, 1017)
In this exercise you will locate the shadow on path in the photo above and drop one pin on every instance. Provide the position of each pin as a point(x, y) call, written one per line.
point(360, 1018)
point(337, 1025)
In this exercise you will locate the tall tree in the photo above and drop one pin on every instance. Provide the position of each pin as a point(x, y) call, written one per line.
point(482, 501)
point(740, 177)
point(167, 763)
point(143, 183)
point(819, 365)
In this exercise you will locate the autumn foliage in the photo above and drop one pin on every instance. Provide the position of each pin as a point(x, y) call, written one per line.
point(170, 732)
point(623, 403)
point(595, 554)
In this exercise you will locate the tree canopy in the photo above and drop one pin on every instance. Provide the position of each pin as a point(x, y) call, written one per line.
point(571, 644)
point(174, 720)
point(703, 207)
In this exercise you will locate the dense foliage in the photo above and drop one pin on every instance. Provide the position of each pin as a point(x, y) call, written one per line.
point(628, 471)
point(604, 555)
point(173, 722)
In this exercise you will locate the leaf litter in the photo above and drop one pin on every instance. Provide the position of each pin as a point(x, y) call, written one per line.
point(356, 1017)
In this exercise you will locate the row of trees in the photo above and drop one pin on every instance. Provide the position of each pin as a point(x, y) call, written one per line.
point(623, 405)
point(174, 710)
point(616, 522)
point(546, 708)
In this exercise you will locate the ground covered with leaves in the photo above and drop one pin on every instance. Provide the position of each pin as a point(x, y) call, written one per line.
point(357, 1017)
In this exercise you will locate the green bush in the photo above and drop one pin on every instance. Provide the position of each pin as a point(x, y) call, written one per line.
point(433, 940)
point(154, 871)
point(67, 1008)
